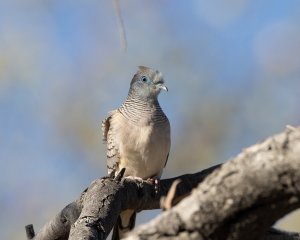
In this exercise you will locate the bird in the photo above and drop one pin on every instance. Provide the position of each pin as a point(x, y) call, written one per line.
point(137, 136)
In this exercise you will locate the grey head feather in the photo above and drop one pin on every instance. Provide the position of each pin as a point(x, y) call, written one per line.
point(147, 83)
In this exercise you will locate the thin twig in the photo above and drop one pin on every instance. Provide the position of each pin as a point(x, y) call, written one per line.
point(167, 202)
point(120, 24)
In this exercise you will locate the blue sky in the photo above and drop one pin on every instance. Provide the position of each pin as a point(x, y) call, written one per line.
point(231, 67)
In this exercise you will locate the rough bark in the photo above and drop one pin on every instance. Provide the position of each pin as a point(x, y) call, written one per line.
point(241, 199)
point(97, 208)
point(238, 200)
point(58, 228)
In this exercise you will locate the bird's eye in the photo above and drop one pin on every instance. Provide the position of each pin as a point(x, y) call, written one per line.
point(144, 79)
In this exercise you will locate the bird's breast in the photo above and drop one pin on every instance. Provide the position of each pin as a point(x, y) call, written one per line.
point(143, 147)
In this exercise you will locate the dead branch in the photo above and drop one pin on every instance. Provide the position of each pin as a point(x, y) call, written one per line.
point(238, 200)
point(97, 208)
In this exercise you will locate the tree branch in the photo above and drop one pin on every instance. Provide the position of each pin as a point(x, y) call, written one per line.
point(99, 205)
point(239, 200)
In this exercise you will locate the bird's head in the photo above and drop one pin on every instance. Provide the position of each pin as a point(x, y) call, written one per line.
point(147, 83)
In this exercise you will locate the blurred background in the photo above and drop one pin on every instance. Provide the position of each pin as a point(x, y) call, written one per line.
point(232, 69)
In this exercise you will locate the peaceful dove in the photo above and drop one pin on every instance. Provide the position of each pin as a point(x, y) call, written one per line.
point(138, 137)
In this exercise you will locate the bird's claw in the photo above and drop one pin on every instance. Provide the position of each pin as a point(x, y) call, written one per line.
point(153, 181)
point(134, 178)
point(156, 183)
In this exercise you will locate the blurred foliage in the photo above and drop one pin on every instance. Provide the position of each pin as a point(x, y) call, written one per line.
point(232, 69)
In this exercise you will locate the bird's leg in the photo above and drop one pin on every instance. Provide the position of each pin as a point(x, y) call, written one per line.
point(134, 178)
point(154, 181)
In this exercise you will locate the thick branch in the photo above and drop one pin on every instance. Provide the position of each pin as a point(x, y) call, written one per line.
point(100, 204)
point(106, 198)
point(59, 227)
point(241, 199)
point(245, 195)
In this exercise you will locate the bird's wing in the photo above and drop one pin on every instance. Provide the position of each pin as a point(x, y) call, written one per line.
point(167, 159)
point(167, 131)
point(166, 145)
point(112, 153)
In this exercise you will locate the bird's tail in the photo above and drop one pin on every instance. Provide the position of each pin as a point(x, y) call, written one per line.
point(125, 223)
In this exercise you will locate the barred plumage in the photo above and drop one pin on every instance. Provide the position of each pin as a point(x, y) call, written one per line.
point(134, 109)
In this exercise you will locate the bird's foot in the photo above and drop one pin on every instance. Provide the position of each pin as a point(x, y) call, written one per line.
point(156, 183)
point(135, 178)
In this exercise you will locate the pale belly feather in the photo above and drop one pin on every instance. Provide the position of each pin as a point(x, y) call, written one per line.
point(143, 151)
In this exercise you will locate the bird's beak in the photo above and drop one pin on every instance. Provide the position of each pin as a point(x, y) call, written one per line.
point(162, 86)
